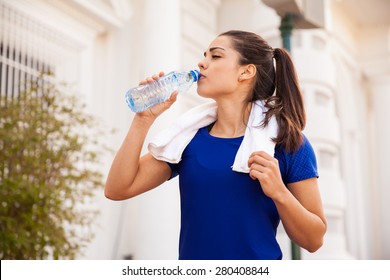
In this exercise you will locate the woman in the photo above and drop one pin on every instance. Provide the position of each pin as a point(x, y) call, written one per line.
point(227, 214)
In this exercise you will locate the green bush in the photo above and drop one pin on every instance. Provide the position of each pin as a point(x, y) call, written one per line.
point(48, 174)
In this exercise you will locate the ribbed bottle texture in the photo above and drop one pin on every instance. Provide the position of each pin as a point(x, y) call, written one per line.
point(145, 96)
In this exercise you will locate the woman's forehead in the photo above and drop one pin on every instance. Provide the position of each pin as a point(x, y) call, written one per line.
point(221, 42)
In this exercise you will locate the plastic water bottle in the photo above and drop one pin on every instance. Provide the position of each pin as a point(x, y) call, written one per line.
point(145, 96)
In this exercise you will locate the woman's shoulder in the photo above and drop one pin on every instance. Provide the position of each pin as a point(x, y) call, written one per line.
point(304, 149)
point(298, 165)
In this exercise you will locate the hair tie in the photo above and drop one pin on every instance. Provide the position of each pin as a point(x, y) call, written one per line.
point(274, 53)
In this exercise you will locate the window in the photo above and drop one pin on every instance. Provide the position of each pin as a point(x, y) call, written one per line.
point(21, 61)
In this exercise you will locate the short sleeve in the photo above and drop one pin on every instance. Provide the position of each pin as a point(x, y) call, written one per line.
point(298, 166)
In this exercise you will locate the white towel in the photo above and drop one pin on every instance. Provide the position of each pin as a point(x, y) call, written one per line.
point(170, 143)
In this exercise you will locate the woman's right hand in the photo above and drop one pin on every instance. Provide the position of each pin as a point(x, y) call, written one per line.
point(156, 110)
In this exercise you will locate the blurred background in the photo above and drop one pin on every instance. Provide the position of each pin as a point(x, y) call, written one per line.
point(101, 48)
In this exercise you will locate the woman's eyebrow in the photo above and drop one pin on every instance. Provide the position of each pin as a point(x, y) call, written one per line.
point(214, 48)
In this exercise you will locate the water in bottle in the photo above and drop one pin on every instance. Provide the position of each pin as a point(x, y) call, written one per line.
point(145, 96)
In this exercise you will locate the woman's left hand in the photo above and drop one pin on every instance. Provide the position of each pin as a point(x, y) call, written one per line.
point(265, 168)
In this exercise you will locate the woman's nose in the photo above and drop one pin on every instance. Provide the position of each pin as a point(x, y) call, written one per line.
point(202, 64)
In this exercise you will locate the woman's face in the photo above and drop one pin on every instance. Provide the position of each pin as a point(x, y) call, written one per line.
point(219, 69)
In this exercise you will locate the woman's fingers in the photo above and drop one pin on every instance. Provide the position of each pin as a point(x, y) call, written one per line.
point(262, 165)
point(158, 109)
point(261, 158)
point(151, 79)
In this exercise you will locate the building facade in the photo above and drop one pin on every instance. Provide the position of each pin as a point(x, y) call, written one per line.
point(103, 47)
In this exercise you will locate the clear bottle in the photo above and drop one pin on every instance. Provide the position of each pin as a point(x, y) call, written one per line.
point(145, 96)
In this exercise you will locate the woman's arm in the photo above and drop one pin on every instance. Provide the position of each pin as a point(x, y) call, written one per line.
point(299, 206)
point(129, 174)
point(301, 212)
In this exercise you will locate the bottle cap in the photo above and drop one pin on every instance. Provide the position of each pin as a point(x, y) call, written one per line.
point(195, 74)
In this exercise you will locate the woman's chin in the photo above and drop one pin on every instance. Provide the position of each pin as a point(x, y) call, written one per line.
point(203, 93)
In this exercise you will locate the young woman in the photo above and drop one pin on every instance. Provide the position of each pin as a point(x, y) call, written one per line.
point(227, 214)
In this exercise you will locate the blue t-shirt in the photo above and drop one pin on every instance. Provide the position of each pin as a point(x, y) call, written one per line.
point(225, 214)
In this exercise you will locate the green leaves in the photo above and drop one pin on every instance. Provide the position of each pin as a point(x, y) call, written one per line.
point(48, 167)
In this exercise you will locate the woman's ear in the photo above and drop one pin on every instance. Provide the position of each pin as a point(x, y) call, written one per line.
point(248, 72)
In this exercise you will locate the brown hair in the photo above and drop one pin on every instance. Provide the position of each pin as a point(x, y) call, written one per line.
point(278, 88)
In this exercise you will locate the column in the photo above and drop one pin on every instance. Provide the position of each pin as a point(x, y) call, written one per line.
point(317, 74)
point(374, 53)
point(154, 228)
point(380, 151)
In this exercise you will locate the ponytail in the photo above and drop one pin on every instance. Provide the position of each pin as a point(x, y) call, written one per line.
point(287, 103)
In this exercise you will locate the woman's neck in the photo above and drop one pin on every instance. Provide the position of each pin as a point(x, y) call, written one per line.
point(232, 119)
